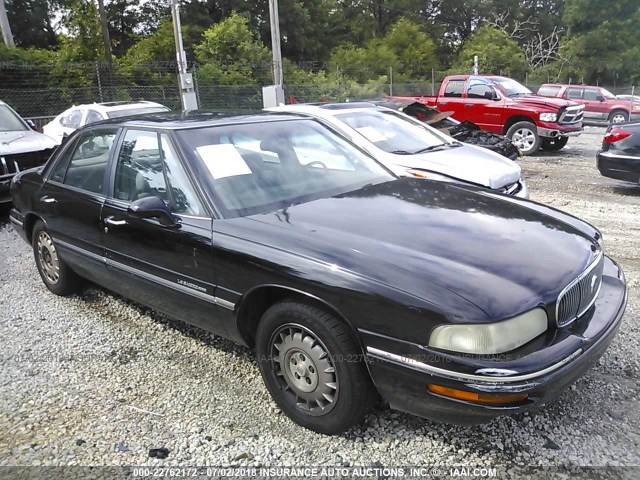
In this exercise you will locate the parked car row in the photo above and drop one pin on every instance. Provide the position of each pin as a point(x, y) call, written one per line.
point(319, 236)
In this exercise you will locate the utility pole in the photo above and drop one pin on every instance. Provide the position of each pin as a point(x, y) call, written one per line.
point(105, 33)
point(187, 91)
point(7, 36)
point(273, 95)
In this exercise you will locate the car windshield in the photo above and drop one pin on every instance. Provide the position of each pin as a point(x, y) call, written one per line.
point(511, 88)
point(262, 167)
point(607, 94)
point(125, 112)
point(9, 121)
point(393, 132)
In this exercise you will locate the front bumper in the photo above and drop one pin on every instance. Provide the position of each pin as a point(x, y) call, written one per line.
point(620, 167)
point(553, 130)
point(542, 374)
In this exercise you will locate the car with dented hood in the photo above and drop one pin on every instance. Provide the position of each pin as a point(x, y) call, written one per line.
point(449, 301)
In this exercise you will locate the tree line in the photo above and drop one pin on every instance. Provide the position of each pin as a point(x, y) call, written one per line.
point(360, 41)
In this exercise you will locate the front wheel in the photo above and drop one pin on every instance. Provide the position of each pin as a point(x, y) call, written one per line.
point(524, 135)
point(618, 116)
point(55, 273)
point(313, 368)
point(554, 144)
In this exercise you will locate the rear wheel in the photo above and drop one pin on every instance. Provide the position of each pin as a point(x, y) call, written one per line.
point(313, 368)
point(55, 273)
point(618, 116)
point(524, 135)
point(554, 144)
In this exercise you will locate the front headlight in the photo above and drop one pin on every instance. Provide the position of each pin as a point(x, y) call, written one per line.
point(490, 338)
point(428, 175)
point(548, 117)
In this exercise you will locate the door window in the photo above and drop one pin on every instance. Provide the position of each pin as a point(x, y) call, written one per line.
point(592, 95)
point(93, 116)
point(574, 93)
point(454, 88)
point(89, 160)
point(148, 166)
point(72, 119)
point(480, 91)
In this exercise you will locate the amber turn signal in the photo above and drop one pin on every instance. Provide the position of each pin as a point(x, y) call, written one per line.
point(487, 398)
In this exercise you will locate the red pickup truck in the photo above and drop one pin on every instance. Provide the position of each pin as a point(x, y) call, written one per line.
point(502, 105)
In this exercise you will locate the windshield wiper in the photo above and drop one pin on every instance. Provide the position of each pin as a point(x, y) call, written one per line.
point(401, 152)
point(432, 147)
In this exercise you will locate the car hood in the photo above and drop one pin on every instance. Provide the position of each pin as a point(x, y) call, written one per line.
point(536, 101)
point(468, 163)
point(24, 141)
point(424, 238)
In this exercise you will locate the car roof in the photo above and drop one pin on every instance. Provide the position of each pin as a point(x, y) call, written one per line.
point(194, 119)
point(327, 109)
point(110, 106)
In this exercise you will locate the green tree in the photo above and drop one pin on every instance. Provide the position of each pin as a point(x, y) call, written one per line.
point(231, 54)
point(497, 52)
point(30, 23)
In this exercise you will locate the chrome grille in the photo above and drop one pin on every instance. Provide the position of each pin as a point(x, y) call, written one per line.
point(579, 295)
point(571, 115)
point(8, 167)
point(511, 189)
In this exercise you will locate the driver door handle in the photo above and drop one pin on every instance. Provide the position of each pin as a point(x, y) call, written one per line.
point(46, 199)
point(114, 223)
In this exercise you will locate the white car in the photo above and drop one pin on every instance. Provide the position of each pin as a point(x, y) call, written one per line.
point(409, 147)
point(80, 115)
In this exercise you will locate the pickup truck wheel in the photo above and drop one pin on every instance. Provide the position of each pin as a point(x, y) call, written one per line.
point(554, 144)
point(524, 135)
point(313, 368)
point(618, 116)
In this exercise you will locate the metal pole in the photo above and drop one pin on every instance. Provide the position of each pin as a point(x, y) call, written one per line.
point(433, 82)
point(275, 43)
point(187, 92)
point(475, 65)
point(391, 81)
point(106, 39)
point(7, 36)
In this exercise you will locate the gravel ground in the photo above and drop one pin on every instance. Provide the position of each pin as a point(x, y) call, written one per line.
point(95, 380)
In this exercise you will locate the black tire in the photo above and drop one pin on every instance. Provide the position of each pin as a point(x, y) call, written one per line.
point(618, 116)
point(554, 144)
point(525, 136)
point(316, 374)
point(55, 273)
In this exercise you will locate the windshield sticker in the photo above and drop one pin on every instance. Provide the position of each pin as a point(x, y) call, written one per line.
point(371, 134)
point(223, 161)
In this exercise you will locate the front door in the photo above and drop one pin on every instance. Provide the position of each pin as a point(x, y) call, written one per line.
point(169, 268)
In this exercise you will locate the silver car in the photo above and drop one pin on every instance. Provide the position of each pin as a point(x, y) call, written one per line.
point(411, 148)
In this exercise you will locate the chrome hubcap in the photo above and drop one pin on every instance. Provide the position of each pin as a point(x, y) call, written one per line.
point(524, 139)
point(48, 258)
point(304, 368)
point(618, 119)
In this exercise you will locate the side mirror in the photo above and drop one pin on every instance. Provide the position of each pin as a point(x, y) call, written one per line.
point(31, 124)
point(600, 98)
point(153, 207)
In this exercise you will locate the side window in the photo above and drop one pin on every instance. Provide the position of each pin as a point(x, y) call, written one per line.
point(60, 168)
point(139, 171)
point(573, 93)
point(93, 116)
point(480, 91)
point(89, 160)
point(183, 196)
point(591, 95)
point(548, 91)
point(454, 88)
point(72, 119)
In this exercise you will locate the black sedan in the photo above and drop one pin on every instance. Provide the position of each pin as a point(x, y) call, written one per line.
point(272, 230)
point(619, 156)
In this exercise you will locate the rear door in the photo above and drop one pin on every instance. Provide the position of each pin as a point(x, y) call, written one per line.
point(169, 268)
point(451, 99)
point(72, 198)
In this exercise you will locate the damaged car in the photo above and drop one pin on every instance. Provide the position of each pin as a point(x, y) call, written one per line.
point(21, 148)
point(466, 132)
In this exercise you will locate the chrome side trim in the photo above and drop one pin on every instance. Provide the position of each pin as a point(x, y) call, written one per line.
point(616, 155)
point(148, 276)
point(16, 221)
point(424, 367)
